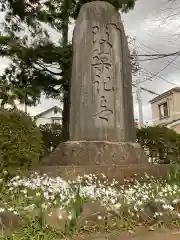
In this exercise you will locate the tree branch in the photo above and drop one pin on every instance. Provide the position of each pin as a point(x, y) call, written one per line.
point(45, 69)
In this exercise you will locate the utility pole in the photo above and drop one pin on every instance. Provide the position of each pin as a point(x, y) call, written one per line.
point(138, 95)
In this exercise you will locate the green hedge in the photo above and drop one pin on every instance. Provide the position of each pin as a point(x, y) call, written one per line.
point(161, 144)
point(20, 140)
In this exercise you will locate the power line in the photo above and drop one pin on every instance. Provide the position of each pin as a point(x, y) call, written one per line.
point(155, 55)
point(149, 59)
point(162, 78)
point(175, 65)
point(161, 70)
point(172, 15)
point(150, 91)
point(177, 62)
point(168, 40)
point(171, 61)
point(146, 90)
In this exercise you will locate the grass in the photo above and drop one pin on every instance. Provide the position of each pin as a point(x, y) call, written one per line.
point(50, 208)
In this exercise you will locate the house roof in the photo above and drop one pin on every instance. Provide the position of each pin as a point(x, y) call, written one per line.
point(48, 110)
point(165, 94)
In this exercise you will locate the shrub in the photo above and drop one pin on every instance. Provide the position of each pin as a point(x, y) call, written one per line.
point(161, 144)
point(20, 140)
point(51, 136)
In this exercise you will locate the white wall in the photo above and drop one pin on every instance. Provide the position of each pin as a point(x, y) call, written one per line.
point(47, 118)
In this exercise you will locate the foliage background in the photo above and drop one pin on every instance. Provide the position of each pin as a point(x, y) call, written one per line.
point(38, 64)
point(161, 144)
point(51, 136)
point(20, 140)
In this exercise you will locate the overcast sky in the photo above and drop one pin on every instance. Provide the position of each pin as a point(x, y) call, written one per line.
point(155, 25)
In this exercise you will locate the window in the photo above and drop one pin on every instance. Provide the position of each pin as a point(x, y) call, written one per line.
point(56, 121)
point(55, 110)
point(163, 110)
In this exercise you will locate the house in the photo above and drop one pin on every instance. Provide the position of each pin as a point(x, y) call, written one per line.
point(51, 115)
point(166, 109)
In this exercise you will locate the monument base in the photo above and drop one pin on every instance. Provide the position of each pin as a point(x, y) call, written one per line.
point(117, 172)
point(101, 153)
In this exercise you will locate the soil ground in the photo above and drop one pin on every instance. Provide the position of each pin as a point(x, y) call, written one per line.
point(140, 234)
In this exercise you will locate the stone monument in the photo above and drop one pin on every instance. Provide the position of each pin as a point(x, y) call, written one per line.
point(101, 86)
point(102, 127)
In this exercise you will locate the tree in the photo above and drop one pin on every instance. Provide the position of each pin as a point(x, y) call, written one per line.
point(29, 75)
point(39, 65)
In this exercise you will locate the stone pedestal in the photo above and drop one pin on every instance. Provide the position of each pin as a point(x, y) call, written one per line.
point(101, 153)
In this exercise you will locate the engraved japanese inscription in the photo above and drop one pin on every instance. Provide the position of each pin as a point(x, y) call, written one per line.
point(102, 72)
point(101, 106)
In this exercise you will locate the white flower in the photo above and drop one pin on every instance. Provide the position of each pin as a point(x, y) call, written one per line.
point(2, 209)
point(139, 202)
point(99, 217)
point(118, 205)
point(5, 172)
point(168, 207)
point(24, 191)
point(175, 201)
point(10, 209)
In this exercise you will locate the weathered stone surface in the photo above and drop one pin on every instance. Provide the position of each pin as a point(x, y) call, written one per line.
point(118, 172)
point(9, 221)
point(101, 85)
point(56, 218)
point(96, 153)
point(92, 213)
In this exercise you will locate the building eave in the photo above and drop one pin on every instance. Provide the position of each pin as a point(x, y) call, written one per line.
point(172, 123)
point(165, 94)
point(46, 111)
